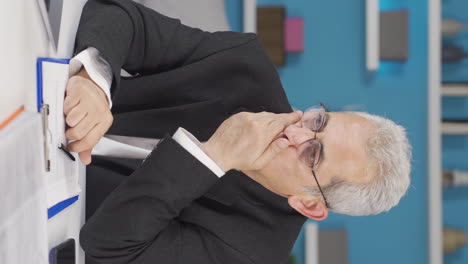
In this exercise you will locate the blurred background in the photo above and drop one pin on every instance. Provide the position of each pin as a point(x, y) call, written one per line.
point(332, 68)
point(405, 60)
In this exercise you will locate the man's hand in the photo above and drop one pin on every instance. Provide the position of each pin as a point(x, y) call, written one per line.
point(87, 114)
point(249, 141)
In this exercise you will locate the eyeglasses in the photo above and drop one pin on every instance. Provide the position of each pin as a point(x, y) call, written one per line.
point(314, 118)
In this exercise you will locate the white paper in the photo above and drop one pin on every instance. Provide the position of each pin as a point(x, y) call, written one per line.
point(62, 180)
point(23, 214)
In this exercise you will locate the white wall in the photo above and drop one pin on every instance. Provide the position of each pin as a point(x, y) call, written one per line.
point(22, 40)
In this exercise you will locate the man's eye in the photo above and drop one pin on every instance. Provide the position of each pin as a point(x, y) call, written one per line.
point(312, 158)
point(315, 150)
point(318, 122)
point(308, 123)
point(311, 155)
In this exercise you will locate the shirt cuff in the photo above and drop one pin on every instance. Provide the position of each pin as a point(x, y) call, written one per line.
point(192, 145)
point(98, 69)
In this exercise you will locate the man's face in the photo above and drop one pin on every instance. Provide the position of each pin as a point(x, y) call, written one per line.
point(343, 156)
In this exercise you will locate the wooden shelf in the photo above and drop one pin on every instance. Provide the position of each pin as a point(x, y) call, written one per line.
point(454, 90)
point(454, 128)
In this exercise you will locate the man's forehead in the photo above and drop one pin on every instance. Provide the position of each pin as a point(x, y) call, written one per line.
point(348, 122)
point(344, 140)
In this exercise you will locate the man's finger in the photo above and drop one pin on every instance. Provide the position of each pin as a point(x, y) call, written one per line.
point(82, 129)
point(280, 135)
point(281, 121)
point(85, 156)
point(75, 116)
point(273, 149)
point(289, 118)
point(69, 103)
point(73, 83)
point(89, 141)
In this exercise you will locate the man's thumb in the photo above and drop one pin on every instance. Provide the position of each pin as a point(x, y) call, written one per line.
point(273, 149)
point(85, 156)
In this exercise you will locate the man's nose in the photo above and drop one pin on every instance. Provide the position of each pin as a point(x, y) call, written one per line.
point(298, 135)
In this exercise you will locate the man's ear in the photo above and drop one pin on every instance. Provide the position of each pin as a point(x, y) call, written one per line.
point(309, 207)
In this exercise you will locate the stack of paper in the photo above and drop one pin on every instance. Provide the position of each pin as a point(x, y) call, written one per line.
point(23, 214)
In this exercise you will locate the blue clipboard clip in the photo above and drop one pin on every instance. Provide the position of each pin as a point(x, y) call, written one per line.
point(52, 211)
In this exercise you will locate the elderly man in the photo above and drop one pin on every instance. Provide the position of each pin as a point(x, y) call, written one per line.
point(242, 195)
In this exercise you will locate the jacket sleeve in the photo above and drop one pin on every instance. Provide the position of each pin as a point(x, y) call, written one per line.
point(137, 223)
point(142, 41)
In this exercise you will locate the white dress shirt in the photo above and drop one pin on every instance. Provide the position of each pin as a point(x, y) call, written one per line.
point(131, 147)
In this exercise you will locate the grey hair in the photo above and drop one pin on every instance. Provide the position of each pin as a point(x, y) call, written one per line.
point(390, 156)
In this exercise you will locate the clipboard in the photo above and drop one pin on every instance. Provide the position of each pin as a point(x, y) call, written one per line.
point(61, 167)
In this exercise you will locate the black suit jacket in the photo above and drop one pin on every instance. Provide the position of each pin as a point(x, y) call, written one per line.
point(172, 209)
